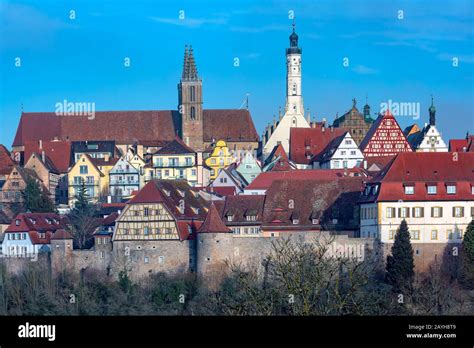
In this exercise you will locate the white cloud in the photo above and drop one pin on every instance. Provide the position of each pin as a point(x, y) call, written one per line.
point(190, 22)
point(364, 70)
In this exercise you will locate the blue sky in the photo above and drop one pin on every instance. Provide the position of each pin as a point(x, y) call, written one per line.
point(405, 60)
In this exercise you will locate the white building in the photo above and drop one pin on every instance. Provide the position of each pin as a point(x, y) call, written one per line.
point(429, 138)
point(124, 178)
point(294, 109)
point(341, 152)
point(30, 233)
point(433, 193)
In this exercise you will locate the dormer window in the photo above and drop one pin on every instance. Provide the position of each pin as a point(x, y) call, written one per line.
point(409, 189)
point(315, 221)
point(17, 222)
point(451, 189)
point(432, 189)
point(167, 192)
point(230, 217)
point(296, 221)
point(181, 193)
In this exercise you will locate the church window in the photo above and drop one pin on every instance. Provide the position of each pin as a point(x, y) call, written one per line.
point(294, 120)
point(193, 113)
point(192, 93)
point(294, 89)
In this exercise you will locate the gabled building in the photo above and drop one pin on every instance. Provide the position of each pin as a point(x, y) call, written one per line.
point(384, 138)
point(124, 178)
point(248, 167)
point(433, 192)
point(279, 133)
point(429, 138)
point(228, 181)
point(278, 161)
point(177, 161)
point(94, 174)
point(30, 233)
point(358, 124)
point(220, 157)
point(15, 184)
point(306, 143)
point(158, 226)
point(462, 145)
point(47, 172)
point(341, 152)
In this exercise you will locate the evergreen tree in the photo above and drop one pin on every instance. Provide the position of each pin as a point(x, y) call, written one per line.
point(82, 219)
point(467, 257)
point(36, 200)
point(400, 265)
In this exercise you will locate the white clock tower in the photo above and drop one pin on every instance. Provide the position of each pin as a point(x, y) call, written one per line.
point(279, 132)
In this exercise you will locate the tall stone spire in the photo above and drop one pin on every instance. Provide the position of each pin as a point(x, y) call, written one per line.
point(432, 111)
point(189, 65)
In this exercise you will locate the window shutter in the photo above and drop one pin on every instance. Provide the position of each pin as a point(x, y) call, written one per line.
point(422, 212)
point(454, 211)
point(432, 211)
point(399, 212)
point(462, 211)
point(441, 212)
point(412, 211)
point(408, 212)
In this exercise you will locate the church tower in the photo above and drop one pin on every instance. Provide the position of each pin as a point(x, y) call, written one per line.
point(294, 109)
point(190, 103)
point(294, 99)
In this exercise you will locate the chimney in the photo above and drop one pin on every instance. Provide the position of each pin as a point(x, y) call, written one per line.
point(332, 129)
point(40, 144)
point(43, 156)
point(365, 164)
point(323, 129)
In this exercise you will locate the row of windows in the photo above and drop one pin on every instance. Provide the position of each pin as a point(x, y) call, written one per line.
point(415, 234)
point(419, 212)
point(433, 189)
point(246, 230)
point(16, 236)
point(147, 231)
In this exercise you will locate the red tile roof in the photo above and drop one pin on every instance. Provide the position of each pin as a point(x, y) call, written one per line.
point(35, 223)
point(222, 190)
point(419, 169)
point(59, 152)
point(213, 222)
point(132, 126)
point(148, 194)
point(174, 147)
point(457, 145)
point(308, 142)
point(6, 162)
point(264, 180)
point(240, 207)
point(331, 203)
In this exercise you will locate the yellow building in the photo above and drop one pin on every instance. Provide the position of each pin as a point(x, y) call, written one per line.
point(94, 172)
point(220, 158)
